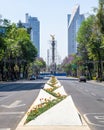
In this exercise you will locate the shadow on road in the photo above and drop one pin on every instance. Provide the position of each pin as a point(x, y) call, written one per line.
point(20, 86)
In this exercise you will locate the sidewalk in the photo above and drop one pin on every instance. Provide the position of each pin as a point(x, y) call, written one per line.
point(96, 82)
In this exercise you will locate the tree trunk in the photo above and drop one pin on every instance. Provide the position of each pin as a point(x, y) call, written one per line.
point(99, 67)
point(89, 71)
point(99, 71)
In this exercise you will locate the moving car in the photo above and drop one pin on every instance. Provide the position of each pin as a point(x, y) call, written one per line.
point(82, 78)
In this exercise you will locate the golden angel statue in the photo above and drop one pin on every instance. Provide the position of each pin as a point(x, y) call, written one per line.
point(53, 37)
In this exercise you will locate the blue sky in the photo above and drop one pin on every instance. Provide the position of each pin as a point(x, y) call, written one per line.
point(52, 15)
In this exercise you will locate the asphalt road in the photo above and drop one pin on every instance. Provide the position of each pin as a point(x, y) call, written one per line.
point(15, 100)
point(89, 100)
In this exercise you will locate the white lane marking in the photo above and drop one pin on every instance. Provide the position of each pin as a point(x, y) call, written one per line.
point(93, 94)
point(99, 121)
point(11, 113)
point(14, 104)
point(99, 117)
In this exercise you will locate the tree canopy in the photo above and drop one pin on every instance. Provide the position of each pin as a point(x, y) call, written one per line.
point(16, 49)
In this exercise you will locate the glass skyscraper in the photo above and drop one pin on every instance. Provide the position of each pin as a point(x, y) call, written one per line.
point(74, 22)
point(34, 24)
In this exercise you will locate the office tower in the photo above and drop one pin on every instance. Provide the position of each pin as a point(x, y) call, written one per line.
point(34, 24)
point(74, 21)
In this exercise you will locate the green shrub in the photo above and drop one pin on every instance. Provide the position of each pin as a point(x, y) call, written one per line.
point(93, 78)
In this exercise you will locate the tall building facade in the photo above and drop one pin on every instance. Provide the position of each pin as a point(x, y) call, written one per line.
point(34, 24)
point(74, 21)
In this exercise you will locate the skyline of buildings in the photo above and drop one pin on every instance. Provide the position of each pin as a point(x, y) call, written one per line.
point(74, 21)
point(52, 21)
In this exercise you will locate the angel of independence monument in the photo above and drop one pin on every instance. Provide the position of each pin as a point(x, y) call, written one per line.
point(53, 64)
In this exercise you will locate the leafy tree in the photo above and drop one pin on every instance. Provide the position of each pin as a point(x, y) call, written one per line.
point(96, 40)
point(70, 64)
point(4, 23)
point(17, 51)
point(90, 38)
point(100, 16)
point(26, 51)
point(83, 38)
point(37, 66)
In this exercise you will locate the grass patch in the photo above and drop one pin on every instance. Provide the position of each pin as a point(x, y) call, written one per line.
point(57, 95)
point(41, 108)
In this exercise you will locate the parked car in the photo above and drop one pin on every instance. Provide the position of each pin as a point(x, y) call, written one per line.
point(82, 78)
point(33, 77)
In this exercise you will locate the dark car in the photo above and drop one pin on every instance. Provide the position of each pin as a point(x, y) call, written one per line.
point(82, 78)
point(33, 77)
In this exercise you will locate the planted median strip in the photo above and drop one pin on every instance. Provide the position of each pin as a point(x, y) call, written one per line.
point(52, 99)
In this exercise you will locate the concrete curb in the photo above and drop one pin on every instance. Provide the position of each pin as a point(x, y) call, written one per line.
point(53, 128)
